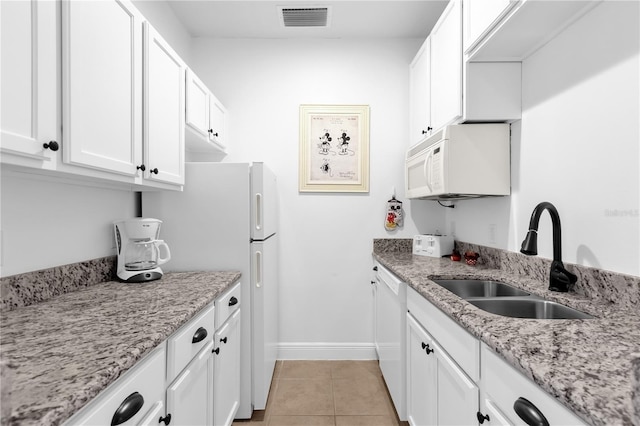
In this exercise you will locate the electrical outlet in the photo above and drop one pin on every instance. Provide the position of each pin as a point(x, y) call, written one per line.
point(493, 230)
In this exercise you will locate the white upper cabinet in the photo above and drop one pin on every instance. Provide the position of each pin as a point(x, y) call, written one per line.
point(102, 85)
point(511, 30)
point(206, 117)
point(164, 83)
point(217, 117)
point(446, 66)
point(458, 91)
point(420, 94)
point(197, 105)
point(30, 74)
point(123, 96)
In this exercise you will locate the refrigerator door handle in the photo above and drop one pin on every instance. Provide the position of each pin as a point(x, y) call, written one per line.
point(258, 211)
point(258, 271)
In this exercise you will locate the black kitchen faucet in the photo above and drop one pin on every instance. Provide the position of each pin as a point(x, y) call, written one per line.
point(559, 278)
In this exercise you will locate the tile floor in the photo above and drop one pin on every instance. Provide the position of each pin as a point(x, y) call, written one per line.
point(326, 393)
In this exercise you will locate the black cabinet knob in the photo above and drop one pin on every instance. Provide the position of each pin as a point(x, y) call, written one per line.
point(529, 413)
point(426, 347)
point(155, 171)
point(199, 335)
point(52, 145)
point(224, 340)
point(141, 167)
point(481, 418)
point(127, 409)
point(233, 301)
point(375, 268)
point(166, 420)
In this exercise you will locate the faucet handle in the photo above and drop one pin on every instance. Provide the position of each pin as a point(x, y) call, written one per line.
point(559, 278)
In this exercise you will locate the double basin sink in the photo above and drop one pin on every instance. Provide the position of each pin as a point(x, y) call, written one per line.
point(503, 299)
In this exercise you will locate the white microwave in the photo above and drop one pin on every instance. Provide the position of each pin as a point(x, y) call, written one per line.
point(460, 161)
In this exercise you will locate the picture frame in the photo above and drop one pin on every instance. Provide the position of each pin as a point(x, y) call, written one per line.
point(334, 148)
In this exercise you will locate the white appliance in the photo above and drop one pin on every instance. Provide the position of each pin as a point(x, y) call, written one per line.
point(390, 334)
point(140, 252)
point(432, 245)
point(226, 219)
point(460, 161)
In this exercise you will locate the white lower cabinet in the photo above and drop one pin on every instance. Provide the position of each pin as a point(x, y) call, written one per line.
point(192, 378)
point(453, 379)
point(226, 373)
point(515, 398)
point(440, 393)
point(189, 396)
point(137, 397)
point(226, 357)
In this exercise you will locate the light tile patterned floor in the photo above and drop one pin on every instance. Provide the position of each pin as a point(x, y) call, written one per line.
point(326, 393)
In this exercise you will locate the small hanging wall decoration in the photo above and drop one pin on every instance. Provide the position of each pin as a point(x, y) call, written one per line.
point(394, 218)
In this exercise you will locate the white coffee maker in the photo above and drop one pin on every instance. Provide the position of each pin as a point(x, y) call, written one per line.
point(140, 252)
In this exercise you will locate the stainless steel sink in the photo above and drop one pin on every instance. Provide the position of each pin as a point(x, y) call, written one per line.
point(480, 288)
point(528, 308)
point(503, 299)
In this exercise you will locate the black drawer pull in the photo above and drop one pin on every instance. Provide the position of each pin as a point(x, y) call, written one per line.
point(165, 420)
point(529, 413)
point(199, 335)
point(224, 340)
point(129, 408)
point(233, 301)
point(216, 351)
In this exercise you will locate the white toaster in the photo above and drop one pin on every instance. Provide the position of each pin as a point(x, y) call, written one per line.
point(432, 245)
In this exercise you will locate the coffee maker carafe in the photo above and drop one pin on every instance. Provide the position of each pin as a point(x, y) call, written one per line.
point(140, 252)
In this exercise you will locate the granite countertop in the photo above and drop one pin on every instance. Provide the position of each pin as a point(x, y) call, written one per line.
point(59, 354)
point(585, 364)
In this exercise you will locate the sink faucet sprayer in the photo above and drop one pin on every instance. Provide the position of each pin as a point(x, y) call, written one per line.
point(559, 278)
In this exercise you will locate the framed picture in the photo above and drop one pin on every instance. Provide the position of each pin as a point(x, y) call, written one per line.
point(334, 148)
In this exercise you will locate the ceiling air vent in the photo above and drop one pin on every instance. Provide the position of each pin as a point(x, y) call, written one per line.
point(302, 17)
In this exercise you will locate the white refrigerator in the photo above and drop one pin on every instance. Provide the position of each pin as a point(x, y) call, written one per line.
point(226, 219)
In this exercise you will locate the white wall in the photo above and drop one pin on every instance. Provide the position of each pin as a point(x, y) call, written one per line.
point(326, 239)
point(576, 146)
point(48, 222)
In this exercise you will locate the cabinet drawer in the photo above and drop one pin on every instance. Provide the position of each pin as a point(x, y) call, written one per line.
point(227, 304)
point(503, 385)
point(185, 343)
point(146, 378)
point(458, 343)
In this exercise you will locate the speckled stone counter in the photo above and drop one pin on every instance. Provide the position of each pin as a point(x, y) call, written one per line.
point(588, 365)
point(59, 354)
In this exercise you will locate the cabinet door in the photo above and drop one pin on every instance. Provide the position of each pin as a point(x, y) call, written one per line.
point(189, 398)
point(197, 105)
point(457, 394)
point(102, 85)
point(446, 66)
point(217, 115)
point(491, 413)
point(420, 94)
point(164, 82)
point(422, 392)
point(226, 374)
point(29, 79)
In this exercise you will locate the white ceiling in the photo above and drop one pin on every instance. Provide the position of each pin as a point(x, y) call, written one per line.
point(349, 18)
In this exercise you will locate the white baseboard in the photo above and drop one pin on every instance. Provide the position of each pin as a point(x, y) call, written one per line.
point(326, 351)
